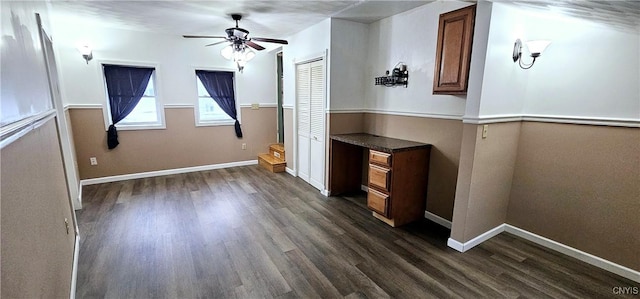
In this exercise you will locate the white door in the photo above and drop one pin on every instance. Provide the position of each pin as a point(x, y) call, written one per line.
point(310, 93)
point(303, 97)
point(316, 167)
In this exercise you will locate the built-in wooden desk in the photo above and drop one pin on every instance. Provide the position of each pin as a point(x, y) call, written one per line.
point(397, 174)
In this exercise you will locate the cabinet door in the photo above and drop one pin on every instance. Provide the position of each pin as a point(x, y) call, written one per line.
point(380, 158)
point(453, 51)
point(379, 177)
point(378, 202)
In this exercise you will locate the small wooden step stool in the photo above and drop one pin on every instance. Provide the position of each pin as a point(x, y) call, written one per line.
point(274, 161)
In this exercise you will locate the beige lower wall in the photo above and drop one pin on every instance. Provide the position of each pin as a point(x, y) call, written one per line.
point(37, 252)
point(485, 176)
point(180, 145)
point(580, 185)
point(345, 123)
point(445, 136)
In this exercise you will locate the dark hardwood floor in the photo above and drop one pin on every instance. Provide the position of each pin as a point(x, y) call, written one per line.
point(248, 233)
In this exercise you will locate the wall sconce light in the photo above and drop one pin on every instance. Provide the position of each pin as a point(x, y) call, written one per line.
point(536, 47)
point(86, 52)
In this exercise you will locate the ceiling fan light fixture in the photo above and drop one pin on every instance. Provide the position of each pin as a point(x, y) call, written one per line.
point(227, 52)
point(249, 54)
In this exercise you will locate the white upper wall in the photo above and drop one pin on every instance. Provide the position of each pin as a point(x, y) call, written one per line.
point(306, 44)
point(409, 37)
point(589, 70)
point(175, 57)
point(349, 42)
point(25, 85)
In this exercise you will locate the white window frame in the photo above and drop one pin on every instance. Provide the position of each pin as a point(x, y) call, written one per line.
point(196, 110)
point(106, 108)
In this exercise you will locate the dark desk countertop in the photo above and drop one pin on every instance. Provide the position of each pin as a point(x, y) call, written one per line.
point(379, 143)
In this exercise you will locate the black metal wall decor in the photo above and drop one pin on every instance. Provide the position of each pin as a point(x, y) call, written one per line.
point(399, 76)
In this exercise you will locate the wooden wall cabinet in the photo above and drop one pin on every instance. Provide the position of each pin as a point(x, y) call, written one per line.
point(453, 51)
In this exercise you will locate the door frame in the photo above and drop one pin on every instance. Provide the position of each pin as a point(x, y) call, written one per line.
point(280, 95)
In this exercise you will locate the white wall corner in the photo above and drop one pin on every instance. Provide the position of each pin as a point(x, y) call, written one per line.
point(462, 247)
point(74, 269)
point(455, 245)
point(77, 205)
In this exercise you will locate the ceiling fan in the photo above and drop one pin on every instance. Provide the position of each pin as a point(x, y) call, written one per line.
point(239, 38)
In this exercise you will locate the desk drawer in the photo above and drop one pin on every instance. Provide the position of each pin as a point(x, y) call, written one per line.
point(378, 202)
point(380, 177)
point(379, 158)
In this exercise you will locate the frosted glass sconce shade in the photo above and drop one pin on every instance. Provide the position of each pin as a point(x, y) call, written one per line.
point(536, 47)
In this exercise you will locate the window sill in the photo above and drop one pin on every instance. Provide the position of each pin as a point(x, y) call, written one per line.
point(213, 123)
point(140, 127)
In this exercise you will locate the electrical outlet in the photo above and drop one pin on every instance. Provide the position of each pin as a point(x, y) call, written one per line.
point(255, 106)
point(94, 161)
point(244, 146)
point(485, 130)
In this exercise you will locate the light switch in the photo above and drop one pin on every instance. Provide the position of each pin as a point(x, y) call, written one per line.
point(485, 129)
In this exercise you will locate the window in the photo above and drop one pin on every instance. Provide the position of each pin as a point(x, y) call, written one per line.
point(148, 113)
point(208, 110)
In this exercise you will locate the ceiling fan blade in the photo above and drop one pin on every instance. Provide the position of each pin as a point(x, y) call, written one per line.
point(203, 36)
point(254, 45)
point(216, 43)
point(271, 40)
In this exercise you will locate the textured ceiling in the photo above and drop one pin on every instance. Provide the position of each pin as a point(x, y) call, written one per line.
point(276, 19)
point(618, 13)
point(280, 19)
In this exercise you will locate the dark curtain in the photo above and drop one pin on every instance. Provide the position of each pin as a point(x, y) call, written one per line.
point(125, 86)
point(219, 85)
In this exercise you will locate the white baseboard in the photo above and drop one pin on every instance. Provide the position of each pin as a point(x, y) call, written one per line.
point(575, 253)
point(149, 174)
point(290, 171)
point(550, 244)
point(364, 188)
point(437, 219)
point(325, 192)
point(462, 247)
point(74, 270)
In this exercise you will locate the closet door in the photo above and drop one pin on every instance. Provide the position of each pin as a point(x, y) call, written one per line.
point(303, 102)
point(310, 101)
point(317, 114)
